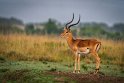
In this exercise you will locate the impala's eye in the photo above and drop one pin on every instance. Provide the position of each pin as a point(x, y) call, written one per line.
point(66, 32)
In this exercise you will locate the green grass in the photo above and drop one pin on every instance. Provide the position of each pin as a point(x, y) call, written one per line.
point(33, 71)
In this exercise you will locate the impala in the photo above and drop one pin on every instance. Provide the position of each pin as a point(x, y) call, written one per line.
point(81, 46)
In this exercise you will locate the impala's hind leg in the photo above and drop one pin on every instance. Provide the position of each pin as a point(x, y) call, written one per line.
point(97, 58)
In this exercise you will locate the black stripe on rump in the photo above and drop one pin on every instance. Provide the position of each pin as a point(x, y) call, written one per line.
point(98, 47)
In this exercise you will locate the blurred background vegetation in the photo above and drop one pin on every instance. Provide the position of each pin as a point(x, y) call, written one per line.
point(16, 26)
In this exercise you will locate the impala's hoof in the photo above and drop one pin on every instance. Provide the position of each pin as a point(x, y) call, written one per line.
point(74, 71)
point(78, 71)
point(96, 71)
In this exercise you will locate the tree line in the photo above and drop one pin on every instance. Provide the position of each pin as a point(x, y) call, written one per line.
point(53, 27)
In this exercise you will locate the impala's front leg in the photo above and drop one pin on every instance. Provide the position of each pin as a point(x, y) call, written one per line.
point(78, 63)
point(75, 63)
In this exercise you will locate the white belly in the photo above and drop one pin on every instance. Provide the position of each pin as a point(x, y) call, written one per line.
point(84, 51)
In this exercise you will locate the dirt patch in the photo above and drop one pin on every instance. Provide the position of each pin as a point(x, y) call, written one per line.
point(88, 78)
point(15, 75)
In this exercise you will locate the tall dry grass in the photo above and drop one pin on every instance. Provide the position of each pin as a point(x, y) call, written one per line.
point(23, 47)
point(112, 51)
point(52, 48)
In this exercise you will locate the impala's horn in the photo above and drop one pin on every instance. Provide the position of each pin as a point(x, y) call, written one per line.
point(74, 23)
point(69, 22)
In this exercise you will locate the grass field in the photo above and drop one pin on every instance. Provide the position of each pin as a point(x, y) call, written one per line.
point(23, 47)
point(28, 57)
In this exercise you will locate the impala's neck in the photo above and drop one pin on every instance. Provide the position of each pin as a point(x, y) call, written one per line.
point(70, 40)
